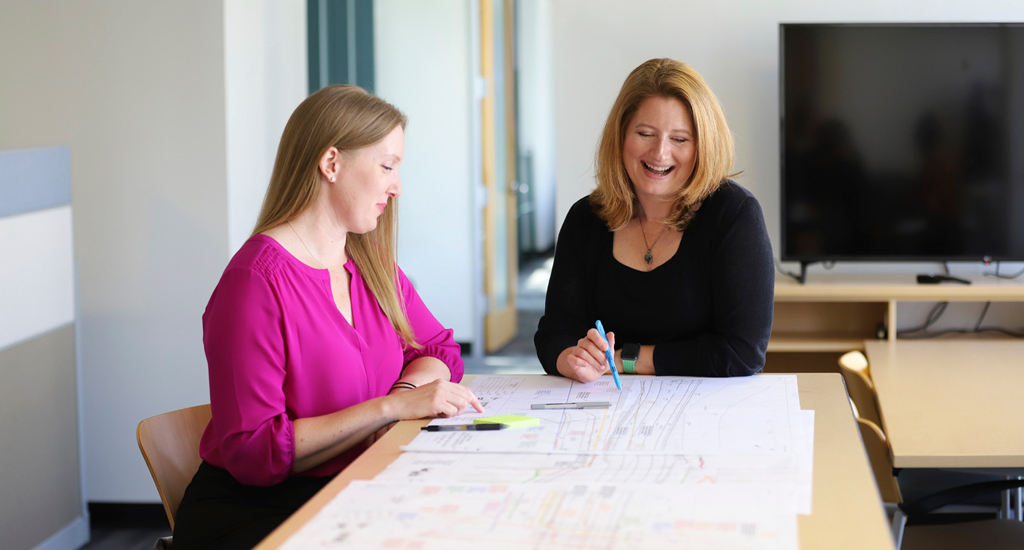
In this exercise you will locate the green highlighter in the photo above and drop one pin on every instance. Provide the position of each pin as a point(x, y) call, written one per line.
point(510, 420)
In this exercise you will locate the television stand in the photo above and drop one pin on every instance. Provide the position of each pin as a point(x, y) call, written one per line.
point(816, 322)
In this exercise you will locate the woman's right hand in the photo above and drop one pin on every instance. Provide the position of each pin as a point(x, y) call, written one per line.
point(586, 361)
point(321, 438)
point(437, 399)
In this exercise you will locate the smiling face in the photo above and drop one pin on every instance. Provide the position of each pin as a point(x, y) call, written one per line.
point(367, 179)
point(659, 149)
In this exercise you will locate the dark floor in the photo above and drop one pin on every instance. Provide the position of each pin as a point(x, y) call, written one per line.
point(125, 538)
point(126, 526)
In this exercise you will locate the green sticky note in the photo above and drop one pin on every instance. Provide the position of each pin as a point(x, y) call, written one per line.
point(510, 420)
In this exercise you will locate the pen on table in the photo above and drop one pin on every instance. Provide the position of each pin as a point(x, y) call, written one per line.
point(463, 427)
point(585, 405)
point(608, 353)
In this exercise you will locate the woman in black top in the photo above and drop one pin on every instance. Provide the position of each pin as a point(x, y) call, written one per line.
point(671, 255)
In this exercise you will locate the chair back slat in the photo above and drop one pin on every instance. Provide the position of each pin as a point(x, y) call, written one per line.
point(862, 395)
point(170, 444)
point(880, 457)
point(854, 367)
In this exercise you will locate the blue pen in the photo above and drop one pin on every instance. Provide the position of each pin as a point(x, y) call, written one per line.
point(608, 353)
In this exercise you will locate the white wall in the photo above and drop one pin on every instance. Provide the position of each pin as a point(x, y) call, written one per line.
point(37, 276)
point(422, 56)
point(537, 111)
point(734, 45)
point(139, 92)
point(265, 79)
point(40, 458)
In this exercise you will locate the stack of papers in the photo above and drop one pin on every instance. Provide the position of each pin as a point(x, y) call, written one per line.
point(673, 462)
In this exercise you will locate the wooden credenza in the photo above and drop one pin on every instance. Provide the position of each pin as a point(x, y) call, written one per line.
point(818, 321)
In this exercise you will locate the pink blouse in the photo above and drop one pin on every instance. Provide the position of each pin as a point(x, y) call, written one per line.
point(278, 349)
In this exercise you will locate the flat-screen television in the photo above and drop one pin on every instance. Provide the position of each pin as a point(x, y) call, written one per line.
point(902, 142)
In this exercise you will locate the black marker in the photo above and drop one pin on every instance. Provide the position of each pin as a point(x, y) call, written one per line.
point(463, 427)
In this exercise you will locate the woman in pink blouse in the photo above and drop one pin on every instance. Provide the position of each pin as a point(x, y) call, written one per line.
point(315, 339)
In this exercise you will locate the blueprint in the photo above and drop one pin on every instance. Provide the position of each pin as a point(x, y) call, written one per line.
point(780, 481)
point(498, 517)
point(667, 415)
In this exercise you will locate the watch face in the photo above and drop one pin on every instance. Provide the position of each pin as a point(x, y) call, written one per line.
point(630, 351)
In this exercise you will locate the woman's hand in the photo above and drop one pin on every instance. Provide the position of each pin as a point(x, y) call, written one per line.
point(436, 399)
point(586, 361)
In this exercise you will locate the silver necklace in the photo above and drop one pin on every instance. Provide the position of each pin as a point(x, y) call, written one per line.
point(649, 257)
point(329, 270)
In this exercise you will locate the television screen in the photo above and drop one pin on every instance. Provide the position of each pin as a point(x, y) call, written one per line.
point(902, 142)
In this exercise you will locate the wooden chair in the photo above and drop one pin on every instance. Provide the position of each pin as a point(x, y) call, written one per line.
point(991, 534)
point(170, 444)
point(854, 367)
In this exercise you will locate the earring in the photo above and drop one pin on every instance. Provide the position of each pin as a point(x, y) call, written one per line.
point(332, 179)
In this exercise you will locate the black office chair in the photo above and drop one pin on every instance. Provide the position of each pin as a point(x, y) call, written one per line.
point(990, 534)
point(911, 525)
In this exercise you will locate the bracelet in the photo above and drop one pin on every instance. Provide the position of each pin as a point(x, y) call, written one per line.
point(405, 385)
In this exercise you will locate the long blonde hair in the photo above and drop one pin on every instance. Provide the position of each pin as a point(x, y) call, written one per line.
point(614, 199)
point(348, 118)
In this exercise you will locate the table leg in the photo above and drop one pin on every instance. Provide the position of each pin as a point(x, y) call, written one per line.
point(1010, 506)
point(1004, 503)
point(1019, 495)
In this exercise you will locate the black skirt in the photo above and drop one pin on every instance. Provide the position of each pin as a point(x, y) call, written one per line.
point(218, 512)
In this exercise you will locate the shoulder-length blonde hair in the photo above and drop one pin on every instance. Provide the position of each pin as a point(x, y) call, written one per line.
point(348, 118)
point(614, 199)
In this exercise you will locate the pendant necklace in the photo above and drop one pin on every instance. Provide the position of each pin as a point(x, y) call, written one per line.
point(329, 270)
point(649, 257)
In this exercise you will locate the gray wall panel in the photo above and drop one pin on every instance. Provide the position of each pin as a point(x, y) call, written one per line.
point(34, 179)
point(39, 474)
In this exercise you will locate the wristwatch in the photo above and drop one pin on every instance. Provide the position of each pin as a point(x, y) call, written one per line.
point(630, 352)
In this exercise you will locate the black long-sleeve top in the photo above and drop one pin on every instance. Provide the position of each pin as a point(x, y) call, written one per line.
point(707, 311)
